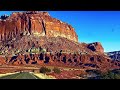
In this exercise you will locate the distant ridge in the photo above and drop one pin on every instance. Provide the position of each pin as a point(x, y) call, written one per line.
point(114, 55)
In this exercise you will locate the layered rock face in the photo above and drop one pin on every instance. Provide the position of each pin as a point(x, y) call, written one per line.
point(86, 61)
point(36, 23)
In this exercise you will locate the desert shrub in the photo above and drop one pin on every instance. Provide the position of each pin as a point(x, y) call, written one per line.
point(117, 76)
point(34, 50)
point(1, 53)
point(107, 75)
point(43, 50)
point(57, 70)
point(44, 70)
point(111, 74)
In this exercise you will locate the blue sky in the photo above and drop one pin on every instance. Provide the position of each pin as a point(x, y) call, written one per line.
point(92, 26)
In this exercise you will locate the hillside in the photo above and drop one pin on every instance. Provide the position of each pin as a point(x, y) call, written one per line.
point(36, 38)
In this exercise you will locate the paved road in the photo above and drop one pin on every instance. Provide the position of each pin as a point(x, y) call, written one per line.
point(22, 75)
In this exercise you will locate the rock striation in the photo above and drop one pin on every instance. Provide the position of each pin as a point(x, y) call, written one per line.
point(36, 23)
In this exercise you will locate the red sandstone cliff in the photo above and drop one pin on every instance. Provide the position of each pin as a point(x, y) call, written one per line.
point(36, 23)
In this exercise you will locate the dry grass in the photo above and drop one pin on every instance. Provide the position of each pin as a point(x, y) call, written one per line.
point(44, 76)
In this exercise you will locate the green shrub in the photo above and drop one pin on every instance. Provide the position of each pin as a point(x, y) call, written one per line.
point(57, 70)
point(1, 53)
point(43, 50)
point(117, 76)
point(44, 70)
point(110, 75)
point(34, 50)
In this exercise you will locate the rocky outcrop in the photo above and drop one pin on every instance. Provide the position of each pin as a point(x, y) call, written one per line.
point(86, 61)
point(51, 44)
point(96, 46)
point(36, 23)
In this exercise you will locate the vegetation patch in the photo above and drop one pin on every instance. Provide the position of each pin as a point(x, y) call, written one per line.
point(110, 75)
point(44, 70)
point(56, 70)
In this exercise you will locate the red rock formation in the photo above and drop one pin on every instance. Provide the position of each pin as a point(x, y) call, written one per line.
point(34, 22)
point(25, 30)
point(85, 61)
point(51, 44)
point(96, 46)
point(2, 60)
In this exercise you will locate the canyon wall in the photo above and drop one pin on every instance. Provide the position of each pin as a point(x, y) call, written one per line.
point(36, 23)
